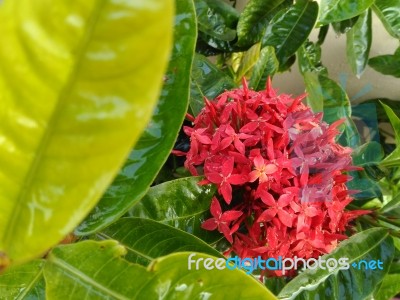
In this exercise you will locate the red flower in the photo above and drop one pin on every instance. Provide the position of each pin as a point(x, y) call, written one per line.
point(284, 166)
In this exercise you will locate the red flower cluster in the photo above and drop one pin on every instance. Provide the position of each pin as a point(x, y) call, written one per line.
point(279, 172)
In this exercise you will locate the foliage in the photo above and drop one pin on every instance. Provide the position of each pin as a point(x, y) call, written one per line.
point(76, 95)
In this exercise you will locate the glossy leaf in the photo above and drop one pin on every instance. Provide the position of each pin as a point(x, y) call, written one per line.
point(351, 283)
point(393, 159)
point(23, 282)
point(266, 66)
point(206, 81)
point(146, 239)
point(73, 102)
point(386, 64)
point(181, 203)
point(96, 270)
point(388, 12)
point(155, 144)
point(309, 59)
point(370, 153)
point(392, 208)
point(254, 20)
point(359, 40)
point(344, 26)
point(389, 288)
point(249, 59)
point(290, 28)
point(338, 10)
point(217, 19)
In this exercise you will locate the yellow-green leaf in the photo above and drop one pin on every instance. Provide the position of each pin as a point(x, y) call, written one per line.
point(78, 83)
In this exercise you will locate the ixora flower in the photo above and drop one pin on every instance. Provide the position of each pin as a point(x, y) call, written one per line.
point(280, 174)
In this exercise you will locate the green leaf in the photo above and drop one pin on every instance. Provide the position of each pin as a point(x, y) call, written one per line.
point(344, 26)
point(248, 60)
point(386, 64)
point(74, 100)
point(338, 10)
point(392, 208)
point(351, 283)
point(290, 28)
point(155, 144)
point(254, 20)
point(266, 66)
point(389, 288)
point(324, 93)
point(146, 239)
point(388, 12)
point(359, 40)
point(370, 153)
point(95, 270)
point(23, 281)
point(181, 203)
point(217, 19)
point(309, 59)
point(206, 81)
point(393, 159)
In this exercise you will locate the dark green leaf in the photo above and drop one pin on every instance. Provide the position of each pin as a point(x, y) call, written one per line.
point(386, 64)
point(217, 19)
point(206, 81)
point(359, 40)
point(146, 239)
point(254, 20)
point(370, 153)
point(156, 142)
point(388, 12)
point(223, 46)
point(290, 28)
point(309, 58)
point(266, 66)
point(323, 31)
point(389, 288)
point(23, 282)
point(338, 10)
point(181, 203)
point(381, 113)
point(96, 270)
point(347, 284)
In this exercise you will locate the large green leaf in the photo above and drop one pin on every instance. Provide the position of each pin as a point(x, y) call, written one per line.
point(181, 203)
point(290, 28)
point(389, 288)
point(393, 159)
point(76, 92)
point(266, 66)
point(206, 81)
point(254, 19)
point(388, 12)
point(370, 153)
point(217, 19)
point(338, 10)
point(146, 239)
point(392, 208)
point(359, 39)
point(156, 142)
point(348, 284)
point(387, 64)
point(23, 282)
point(309, 60)
point(95, 270)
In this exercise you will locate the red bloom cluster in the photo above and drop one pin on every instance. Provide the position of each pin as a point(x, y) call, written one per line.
point(279, 172)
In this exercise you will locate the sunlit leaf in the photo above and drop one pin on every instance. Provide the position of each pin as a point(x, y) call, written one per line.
point(338, 10)
point(74, 100)
point(155, 144)
point(266, 66)
point(388, 12)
